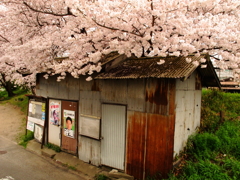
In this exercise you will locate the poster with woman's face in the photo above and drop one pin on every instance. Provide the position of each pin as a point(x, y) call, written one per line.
point(54, 110)
point(69, 123)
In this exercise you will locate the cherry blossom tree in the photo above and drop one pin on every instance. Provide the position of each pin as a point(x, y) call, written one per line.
point(33, 34)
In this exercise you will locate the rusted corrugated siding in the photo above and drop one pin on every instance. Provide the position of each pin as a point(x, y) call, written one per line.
point(159, 151)
point(157, 96)
point(150, 144)
point(172, 96)
point(151, 133)
point(136, 143)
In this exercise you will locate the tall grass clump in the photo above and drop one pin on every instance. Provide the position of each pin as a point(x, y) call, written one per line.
point(229, 135)
point(218, 106)
point(26, 138)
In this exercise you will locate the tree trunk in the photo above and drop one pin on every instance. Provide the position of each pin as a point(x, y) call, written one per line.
point(9, 89)
point(7, 85)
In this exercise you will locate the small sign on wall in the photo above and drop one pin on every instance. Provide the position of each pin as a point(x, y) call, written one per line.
point(90, 126)
point(36, 112)
point(69, 123)
point(38, 132)
point(55, 112)
point(30, 126)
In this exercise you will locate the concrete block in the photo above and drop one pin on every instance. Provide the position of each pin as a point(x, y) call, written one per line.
point(48, 153)
point(120, 175)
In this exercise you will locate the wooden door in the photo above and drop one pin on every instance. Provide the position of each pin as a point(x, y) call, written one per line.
point(69, 126)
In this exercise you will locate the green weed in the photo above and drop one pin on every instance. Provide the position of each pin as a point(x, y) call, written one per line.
point(72, 168)
point(229, 135)
point(53, 147)
point(101, 177)
point(26, 138)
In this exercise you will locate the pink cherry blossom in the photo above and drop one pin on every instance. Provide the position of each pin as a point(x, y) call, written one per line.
point(73, 35)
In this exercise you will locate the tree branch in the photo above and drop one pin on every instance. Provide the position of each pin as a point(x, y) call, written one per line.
point(116, 29)
point(68, 13)
point(5, 39)
point(111, 28)
point(9, 64)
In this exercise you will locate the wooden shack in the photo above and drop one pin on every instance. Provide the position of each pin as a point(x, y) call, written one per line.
point(134, 116)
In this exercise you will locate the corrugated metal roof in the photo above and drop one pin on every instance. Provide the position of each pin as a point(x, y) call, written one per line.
point(132, 68)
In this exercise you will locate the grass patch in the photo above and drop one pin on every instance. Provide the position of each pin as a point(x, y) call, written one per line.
point(19, 100)
point(101, 177)
point(26, 138)
point(3, 94)
point(53, 147)
point(215, 103)
point(72, 168)
point(69, 166)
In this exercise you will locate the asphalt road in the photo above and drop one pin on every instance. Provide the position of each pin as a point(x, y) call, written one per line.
point(16, 163)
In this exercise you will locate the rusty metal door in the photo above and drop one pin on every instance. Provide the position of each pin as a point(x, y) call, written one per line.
point(69, 126)
point(113, 135)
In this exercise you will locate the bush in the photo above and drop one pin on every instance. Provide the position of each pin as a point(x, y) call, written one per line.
point(203, 146)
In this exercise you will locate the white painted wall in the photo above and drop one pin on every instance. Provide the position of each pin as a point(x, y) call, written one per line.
point(188, 112)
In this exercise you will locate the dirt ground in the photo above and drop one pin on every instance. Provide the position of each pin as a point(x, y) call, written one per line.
point(12, 122)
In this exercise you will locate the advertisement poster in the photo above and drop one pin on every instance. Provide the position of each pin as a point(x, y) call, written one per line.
point(69, 123)
point(55, 110)
point(43, 111)
point(36, 113)
point(38, 132)
point(30, 126)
